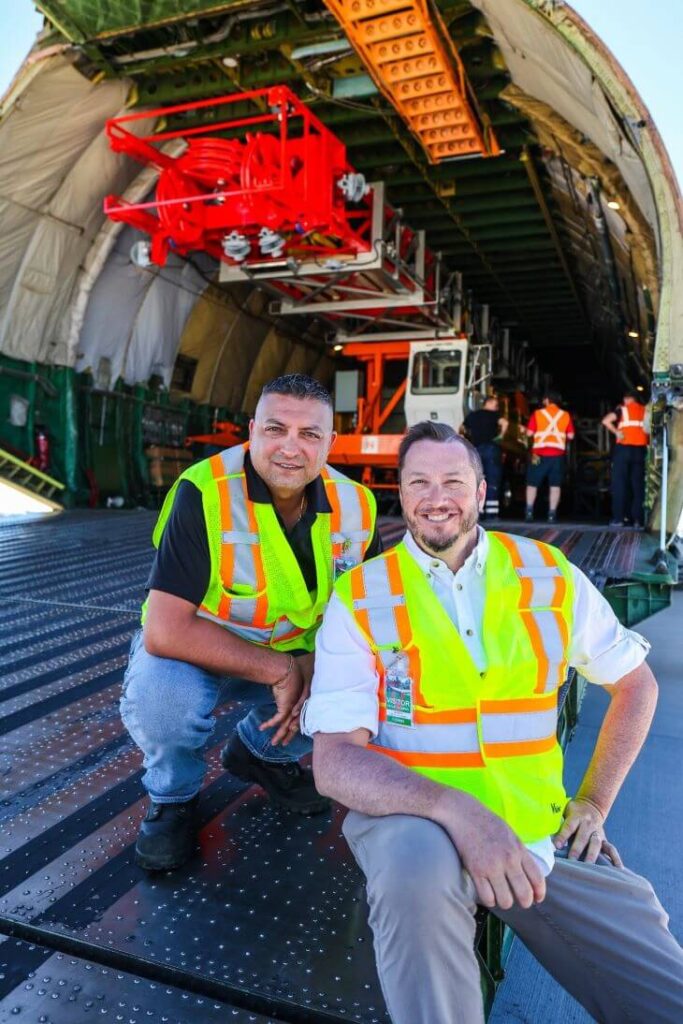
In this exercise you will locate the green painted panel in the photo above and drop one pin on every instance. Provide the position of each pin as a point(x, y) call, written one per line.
point(635, 601)
point(99, 441)
point(84, 20)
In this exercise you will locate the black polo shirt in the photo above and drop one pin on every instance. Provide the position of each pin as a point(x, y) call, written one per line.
point(482, 426)
point(182, 566)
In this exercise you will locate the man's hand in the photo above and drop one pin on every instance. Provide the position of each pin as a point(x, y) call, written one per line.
point(584, 827)
point(305, 663)
point(504, 872)
point(286, 694)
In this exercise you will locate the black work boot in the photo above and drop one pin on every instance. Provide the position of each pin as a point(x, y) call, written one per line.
point(287, 783)
point(168, 836)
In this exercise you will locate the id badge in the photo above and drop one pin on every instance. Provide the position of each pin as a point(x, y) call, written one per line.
point(345, 561)
point(342, 565)
point(399, 697)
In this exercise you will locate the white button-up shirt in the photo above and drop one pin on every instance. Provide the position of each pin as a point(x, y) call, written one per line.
point(344, 693)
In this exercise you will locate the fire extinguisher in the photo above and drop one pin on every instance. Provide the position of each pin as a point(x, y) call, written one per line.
point(42, 456)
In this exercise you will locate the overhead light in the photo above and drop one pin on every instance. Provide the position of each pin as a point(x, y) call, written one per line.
point(633, 334)
point(613, 204)
point(337, 348)
point(229, 62)
point(639, 387)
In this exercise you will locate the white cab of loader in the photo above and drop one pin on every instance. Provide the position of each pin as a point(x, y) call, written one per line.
point(447, 378)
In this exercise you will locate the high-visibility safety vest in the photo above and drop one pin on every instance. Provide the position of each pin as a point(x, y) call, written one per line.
point(631, 419)
point(257, 589)
point(491, 734)
point(552, 424)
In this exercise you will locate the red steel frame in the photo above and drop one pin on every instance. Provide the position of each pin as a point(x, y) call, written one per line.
point(285, 180)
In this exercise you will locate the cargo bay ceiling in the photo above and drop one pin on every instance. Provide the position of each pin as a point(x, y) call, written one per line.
point(571, 234)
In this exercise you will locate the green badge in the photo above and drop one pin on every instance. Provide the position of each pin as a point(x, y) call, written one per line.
point(399, 697)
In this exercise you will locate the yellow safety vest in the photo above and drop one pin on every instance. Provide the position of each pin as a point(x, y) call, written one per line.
point(491, 734)
point(256, 587)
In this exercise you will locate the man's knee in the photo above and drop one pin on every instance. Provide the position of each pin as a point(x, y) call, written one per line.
point(165, 702)
point(414, 866)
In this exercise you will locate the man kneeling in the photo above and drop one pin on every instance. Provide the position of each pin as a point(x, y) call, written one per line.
point(434, 716)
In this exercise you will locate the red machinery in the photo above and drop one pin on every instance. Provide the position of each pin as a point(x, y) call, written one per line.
point(224, 435)
point(284, 206)
point(246, 196)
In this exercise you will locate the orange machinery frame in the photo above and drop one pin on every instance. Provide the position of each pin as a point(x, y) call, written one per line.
point(367, 446)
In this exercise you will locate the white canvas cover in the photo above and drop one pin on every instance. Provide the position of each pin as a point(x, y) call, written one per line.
point(135, 316)
point(543, 65)
point(552, 55)
point(54, 168)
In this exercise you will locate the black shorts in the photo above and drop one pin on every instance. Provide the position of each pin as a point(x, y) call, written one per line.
point(549, 467)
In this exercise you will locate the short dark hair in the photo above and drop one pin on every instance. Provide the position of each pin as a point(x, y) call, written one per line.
point(553, 396)
point(431, 430)
point(300, 385)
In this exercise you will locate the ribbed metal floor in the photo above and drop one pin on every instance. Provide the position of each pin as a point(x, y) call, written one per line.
point(268, 923)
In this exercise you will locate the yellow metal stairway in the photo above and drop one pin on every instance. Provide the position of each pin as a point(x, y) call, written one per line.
point(30, 481)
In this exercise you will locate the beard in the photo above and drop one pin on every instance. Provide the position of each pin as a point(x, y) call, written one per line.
point(443, 542)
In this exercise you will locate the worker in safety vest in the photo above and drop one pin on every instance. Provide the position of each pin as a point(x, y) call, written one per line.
point(248, 545)
point(548, 430)
point(434, 715)
point(629, 425)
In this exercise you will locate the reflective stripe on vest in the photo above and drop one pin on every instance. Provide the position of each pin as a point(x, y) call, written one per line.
point(552, 434)
point(467, 737)
point(349, 504)
point(244, 600)
point(384, 617)
point(508, 728)
point(631, 419)
point(543, 589)
point(240, 548)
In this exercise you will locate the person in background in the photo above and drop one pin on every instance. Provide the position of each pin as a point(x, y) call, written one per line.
point(549, 430)
point(485, 428)
point(434, 712)
point(628, 423)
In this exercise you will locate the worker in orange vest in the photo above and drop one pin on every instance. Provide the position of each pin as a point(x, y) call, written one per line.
point(629, 425)
point(549, 430)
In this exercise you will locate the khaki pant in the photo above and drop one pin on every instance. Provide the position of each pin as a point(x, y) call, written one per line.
point(600, 932)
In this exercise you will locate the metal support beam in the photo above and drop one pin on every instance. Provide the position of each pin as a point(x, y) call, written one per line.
point(527, 160)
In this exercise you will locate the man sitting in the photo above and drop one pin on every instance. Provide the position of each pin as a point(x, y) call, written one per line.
point(434, 716)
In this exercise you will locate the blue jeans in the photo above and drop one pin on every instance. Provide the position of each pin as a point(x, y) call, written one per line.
point(167, 707)
point(628, 482)
point(491, 460)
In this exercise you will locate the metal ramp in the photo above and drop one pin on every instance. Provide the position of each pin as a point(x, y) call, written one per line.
point(30, 481)
point(267, 924)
